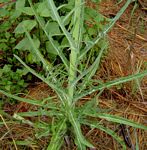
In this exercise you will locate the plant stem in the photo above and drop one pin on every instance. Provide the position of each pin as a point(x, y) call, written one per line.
point(77, 36)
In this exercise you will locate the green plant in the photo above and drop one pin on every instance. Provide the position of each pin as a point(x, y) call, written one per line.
point(69, 80)
point(9, 79)
point(11, 71)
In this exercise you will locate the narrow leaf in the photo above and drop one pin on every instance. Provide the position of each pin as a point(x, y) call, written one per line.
point(107, 29)
point(33, 102)
point(107, 130)
point(109, 84)
point(56, 139)
point(118, 119)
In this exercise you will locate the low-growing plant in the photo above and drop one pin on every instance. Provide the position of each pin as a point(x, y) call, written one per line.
point(72, 79)
point(11, 71)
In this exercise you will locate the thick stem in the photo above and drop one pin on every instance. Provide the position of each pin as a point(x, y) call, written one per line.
point(77, 36)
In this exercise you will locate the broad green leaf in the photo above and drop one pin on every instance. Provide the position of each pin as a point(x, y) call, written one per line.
point(28, 11)
point(64, 43)
point(8, 87)
point(28, 24)
point(3, 41)
point(62, 56)
point(30, 58)
point(4, 1)
point(24, 44)
point(20, 4)
point(22, 72)
point(4, 47)
point(3, 12)
point(53, 28)
point(46, 64)
point(90, 13)
point(42, 10)
point(7, 68)
point(50, 48)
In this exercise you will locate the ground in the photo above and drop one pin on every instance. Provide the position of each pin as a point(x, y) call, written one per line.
point(127, 54)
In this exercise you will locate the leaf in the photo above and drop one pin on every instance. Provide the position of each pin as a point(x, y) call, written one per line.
point(107, 130)
point(90, 13)
point(64, 43)
point(42, 129)
point(3, 47)
point(23, 120)
point(22, 72)
point(96, 1)
point(3, 12)
point(46, 64)
point(59, 131)
point(8, 87)
point(25, 142)
point(20, 4)
point(60, 92)
point(54, 11)
point(50, 48)
point(42, 10)
point(27, 24)
point(62, 56)
point(33, 102)
point(39, 113)
point(24, 44)
point(107, 29)
point(109, 84)
point(81, 140)
point(118, 119)
point(28, 11)
point(53, 28)
point(31, 58)
point(7, 68)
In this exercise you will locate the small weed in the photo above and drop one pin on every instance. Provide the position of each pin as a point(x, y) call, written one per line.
point(64, 35)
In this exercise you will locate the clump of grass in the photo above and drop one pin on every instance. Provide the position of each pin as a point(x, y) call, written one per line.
point(70, 82)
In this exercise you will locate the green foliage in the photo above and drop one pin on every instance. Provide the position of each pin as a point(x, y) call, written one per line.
point(28, 24)
point(11, 72)
point(55, 32)
point(12, 81)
